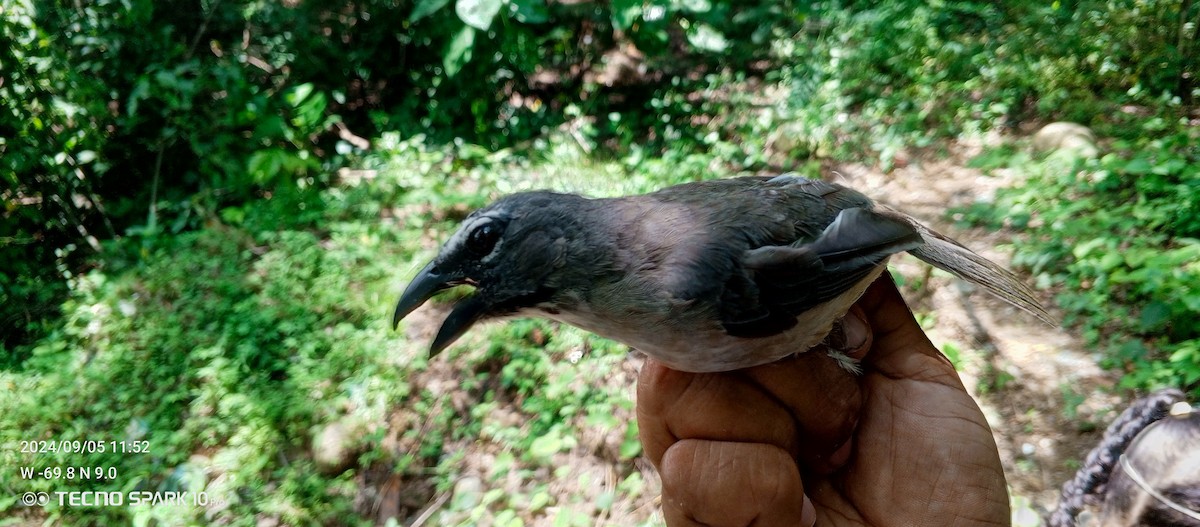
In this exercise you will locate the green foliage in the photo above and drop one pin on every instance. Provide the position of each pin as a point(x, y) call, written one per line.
point(1119, 237)
point(894, 75)
point(213, 349)
point(129, 118)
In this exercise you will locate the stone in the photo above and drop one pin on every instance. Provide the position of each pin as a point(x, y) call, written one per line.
point(1069, 138)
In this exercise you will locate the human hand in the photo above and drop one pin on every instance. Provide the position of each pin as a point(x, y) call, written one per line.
point(802, 441)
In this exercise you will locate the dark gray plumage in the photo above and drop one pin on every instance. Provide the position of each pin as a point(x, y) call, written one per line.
point(708, 276)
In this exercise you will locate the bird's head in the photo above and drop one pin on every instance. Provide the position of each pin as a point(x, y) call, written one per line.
point(512, 251)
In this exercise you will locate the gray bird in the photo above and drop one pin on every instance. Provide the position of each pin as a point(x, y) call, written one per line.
point(706, 276)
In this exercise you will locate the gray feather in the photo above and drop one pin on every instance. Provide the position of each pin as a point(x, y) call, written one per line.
point(950, 256)
point(860, 237)
point(789, 280)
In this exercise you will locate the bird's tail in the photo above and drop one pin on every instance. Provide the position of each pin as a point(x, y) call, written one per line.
point(950, 256)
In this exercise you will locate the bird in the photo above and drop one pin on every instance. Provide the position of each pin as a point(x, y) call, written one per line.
point(706, 276)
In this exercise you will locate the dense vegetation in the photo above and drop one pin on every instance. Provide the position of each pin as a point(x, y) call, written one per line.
point(209, 205)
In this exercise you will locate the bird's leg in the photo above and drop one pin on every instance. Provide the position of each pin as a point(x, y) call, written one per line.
point(837, 347)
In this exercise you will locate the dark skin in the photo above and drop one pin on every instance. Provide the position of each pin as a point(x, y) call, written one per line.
point(802, 441)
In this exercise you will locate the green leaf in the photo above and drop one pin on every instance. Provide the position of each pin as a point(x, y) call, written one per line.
point(993, 158)
point(1138, 166)
point(546, 446)
point(1154, 316)
point(1185, 353)
point(309, 113)
point(1111, 260)
point(625, 13)
point(952, 353)
point(298, 94)
point(707, 38)
point(631, 445)
point(425, 8)
point(459, 52)
point(478, 13)
point(265, 165)
point(1083, 249)
point(270, 127)
point(540, 499)
point(1170, 166)
point(530, 11)
point(233, 215)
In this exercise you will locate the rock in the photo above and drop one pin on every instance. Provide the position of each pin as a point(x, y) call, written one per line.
point(1028, 449)
point(336, 445)
point(468, 492)
point(1070, 138)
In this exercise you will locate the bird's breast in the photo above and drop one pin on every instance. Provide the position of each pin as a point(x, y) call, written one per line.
point(699, 347)
point(691, 338)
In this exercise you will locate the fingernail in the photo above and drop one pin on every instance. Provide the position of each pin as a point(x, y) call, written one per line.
point(855, 330)
point(808, 514)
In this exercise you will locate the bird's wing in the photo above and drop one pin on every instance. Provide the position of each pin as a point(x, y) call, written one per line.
point(784, 281)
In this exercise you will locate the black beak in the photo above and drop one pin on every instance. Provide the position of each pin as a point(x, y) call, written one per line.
point(427, 283)
point(465, 314)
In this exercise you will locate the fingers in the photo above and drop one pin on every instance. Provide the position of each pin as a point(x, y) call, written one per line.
point(900, 349)
point(805, 405)
point(720, 407)
point(822, 398)
point(714, 483)
point(856, 333)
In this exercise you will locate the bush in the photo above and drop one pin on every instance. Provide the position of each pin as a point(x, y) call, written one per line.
point(889, 76)
point(1120, 238)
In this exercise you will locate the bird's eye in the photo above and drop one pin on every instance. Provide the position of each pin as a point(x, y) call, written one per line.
point(483, 239)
